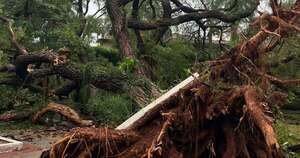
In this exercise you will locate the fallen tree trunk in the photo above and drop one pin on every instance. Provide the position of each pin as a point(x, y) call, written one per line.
point(63, 110)
point(31, 69)
point(15, 115)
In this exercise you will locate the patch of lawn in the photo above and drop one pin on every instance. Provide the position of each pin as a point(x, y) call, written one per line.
point(14, 125)
point(288, 130)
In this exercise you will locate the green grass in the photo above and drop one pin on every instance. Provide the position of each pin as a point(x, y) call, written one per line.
point(288, 130)
point(294, 133)
point(18, 125)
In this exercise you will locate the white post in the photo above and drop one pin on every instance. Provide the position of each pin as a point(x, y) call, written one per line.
point(157, 102)
point(11, 145)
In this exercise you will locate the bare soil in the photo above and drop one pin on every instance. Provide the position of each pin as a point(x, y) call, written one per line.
point(42, 138)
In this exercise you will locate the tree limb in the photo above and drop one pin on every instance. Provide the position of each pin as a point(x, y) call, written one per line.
point(195, 16)
point(64, 111)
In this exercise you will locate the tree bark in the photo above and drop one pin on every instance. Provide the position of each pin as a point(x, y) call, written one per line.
point(118, 20)
point(65, 111)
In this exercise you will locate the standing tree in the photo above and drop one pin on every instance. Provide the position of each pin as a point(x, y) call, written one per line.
point(174, 13)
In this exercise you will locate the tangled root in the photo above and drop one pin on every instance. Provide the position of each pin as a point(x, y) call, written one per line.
point(194, 124)
point(85, 142)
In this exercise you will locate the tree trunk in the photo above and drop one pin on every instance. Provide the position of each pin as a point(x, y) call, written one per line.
point(118, 20)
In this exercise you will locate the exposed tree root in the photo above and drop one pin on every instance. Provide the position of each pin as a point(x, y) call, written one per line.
point(192, 124)
point(280, 81)
point(255, 109)
point(65, 111)
point(230, 119)
point(88, 140)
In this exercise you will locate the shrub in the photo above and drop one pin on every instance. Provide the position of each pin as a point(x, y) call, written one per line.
point(109, 108)
point(12, 99)
point(111, 54)
point(128, 65)
point(172, 62)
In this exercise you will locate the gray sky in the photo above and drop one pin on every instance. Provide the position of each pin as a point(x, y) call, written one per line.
point(263, 7)
point(93, 7)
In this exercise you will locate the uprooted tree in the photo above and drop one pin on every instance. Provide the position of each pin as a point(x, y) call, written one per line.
point(32, 69)
point(226, 112)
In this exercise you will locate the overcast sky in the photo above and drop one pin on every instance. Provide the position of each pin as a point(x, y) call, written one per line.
point(263, 7)
point(93, 7)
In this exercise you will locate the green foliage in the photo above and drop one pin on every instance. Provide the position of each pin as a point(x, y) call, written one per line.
point(171, 62)
point(1, 6)
point(3, 58)
point(111, 54)
point(101, 26)
point(5, 98)
point(285, 62)
point(287, 135)
point(45, 16)
point(134, 81)
point(27, 97)
point(64, 36)
point(17, 125)
point(292, 101)
point(282, 132)
point(98, 70)
point(104, 70)
point(211, 52)
point(3, 37)
point(109, 108)
point(128, 65)
point(234, 38)
point(12, 98)
point(286, 59)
